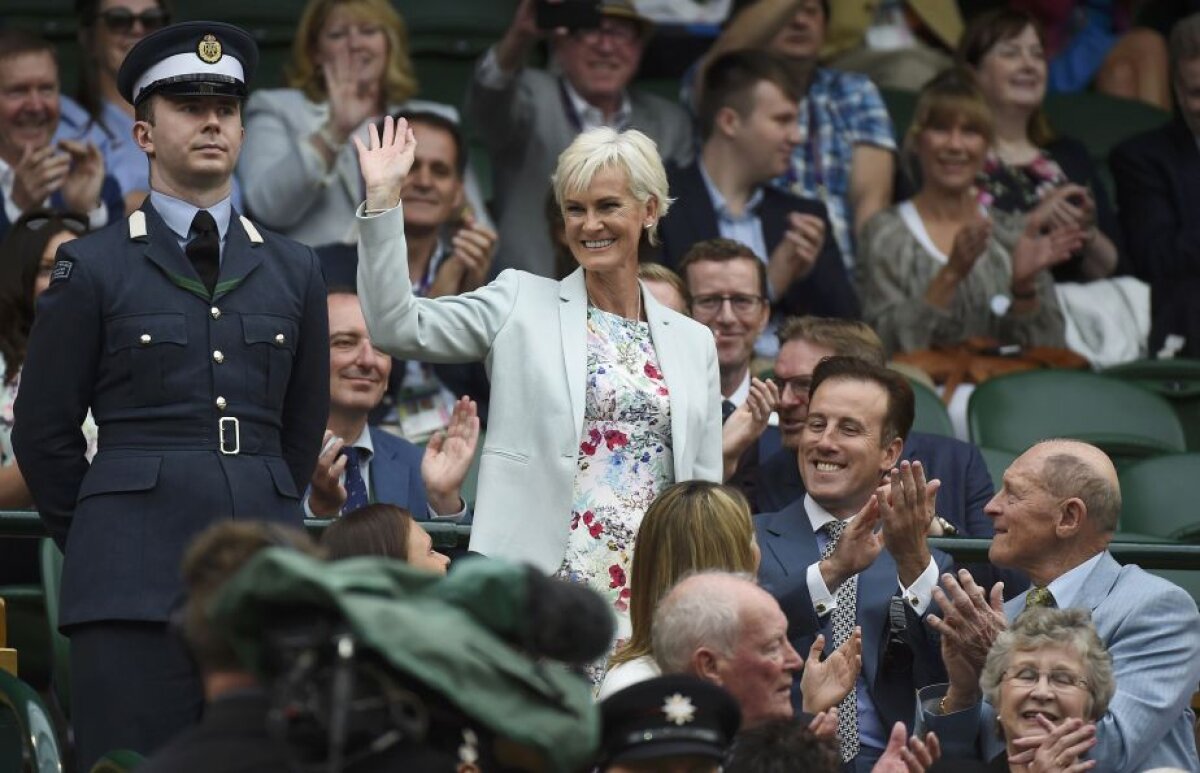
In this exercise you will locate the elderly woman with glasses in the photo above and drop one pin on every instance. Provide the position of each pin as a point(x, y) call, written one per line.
point(601, 396)
point(1049, 678)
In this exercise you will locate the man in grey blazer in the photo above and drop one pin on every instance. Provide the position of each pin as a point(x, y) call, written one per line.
point(1054, 517)
point(526, 117)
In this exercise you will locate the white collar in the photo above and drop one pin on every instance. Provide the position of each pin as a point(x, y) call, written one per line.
point(364, 442)
point(818, 516)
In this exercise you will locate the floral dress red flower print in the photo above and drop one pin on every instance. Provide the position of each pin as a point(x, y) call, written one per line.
point(624, 458)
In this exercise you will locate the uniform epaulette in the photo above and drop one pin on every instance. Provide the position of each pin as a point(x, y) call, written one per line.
point(137, 224)
point(251, 231)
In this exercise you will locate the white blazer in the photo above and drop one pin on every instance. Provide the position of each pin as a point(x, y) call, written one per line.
point(531, 332)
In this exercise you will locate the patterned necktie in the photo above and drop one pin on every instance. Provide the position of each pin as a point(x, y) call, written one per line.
point(1040, 596)
point(356, 487)
point(843, 618)
point(727, 407)
point(205, 249)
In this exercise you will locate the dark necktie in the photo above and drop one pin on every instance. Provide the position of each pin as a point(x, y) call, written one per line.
point(1040, 596)
point(356, 487)
point(843, 618)
point(205, 249)
point(727, 407)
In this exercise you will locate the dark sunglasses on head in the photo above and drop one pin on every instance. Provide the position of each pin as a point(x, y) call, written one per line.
point(76, 224)
point(120, 20)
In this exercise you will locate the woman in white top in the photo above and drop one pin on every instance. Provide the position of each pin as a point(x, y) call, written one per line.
point(601, 396)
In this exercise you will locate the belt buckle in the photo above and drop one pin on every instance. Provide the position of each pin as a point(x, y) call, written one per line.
point(237, 435)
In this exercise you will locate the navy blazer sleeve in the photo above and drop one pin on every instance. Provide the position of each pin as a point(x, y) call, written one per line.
point(1072, 155)
point(827, 290)
point(56, 392)
point(306, 403)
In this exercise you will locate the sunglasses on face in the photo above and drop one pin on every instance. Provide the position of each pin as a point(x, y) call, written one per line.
point(120, 20)
point(65, 220)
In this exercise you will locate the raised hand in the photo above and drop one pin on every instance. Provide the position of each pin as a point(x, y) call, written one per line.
point(351, 99)
point(825, 682)
point(796, 254)
point(907, 505)
point(1057, 750)
point(970, 243)
point(857, 549)
point(448, 457)
point(385, 161)
point(38, 173)
point(969, 623)
point(82, 184)
point(326, 493)
point(746, 424)
point(908, 755)
point(1037, 250)
point(473, 246)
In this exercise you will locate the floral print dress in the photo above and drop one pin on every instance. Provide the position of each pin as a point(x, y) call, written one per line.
point(624, 459)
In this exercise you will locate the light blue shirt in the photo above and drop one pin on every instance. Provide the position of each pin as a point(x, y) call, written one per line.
point(178, 216)
point(1065, 588)
point(746, 227)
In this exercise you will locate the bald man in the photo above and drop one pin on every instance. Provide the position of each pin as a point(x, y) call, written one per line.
point(1054, 517)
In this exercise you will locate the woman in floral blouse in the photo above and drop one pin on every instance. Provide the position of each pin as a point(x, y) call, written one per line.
point(1028, 168)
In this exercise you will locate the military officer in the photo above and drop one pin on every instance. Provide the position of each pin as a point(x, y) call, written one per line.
point(200, 343)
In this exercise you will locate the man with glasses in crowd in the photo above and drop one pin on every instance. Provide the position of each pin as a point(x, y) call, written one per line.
point(531, 115)
point(36, 171)
point(728, 288)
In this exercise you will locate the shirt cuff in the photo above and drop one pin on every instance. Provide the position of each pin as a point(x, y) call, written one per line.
point(823, 600)
point(11, 211)
point(363, 213)
point(436, 516)
point(918, 595)
point(98, 217)
point(488, 73)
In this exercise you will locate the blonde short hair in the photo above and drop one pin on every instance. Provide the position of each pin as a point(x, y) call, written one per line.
point(399, 76)
point(604, 148)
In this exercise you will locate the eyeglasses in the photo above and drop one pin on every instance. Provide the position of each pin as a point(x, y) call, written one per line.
point(799, 385)
point(120, 20)
point(36, 221)
point(710, 305)
point(625, 34)
point(1060, 680)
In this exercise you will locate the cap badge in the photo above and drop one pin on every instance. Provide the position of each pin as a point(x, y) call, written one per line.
point(209, 49)
point(679, 709)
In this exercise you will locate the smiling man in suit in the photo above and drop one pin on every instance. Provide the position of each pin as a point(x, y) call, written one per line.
point(830, 570)
point(1054, 517)
point(360, 464)
point(747, 118)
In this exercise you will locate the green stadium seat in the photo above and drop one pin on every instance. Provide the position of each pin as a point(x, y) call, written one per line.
point(932, 416)
point(1176, 380)
point(119, 761)
point(1015, 411)
point(1156, 497)
point(60, 647)
point(27, 739)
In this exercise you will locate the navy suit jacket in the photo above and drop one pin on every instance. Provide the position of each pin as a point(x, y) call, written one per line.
point(1158, 184)
point(788, 546)
point(825, 292)
point(396, 474)
point(110, 194)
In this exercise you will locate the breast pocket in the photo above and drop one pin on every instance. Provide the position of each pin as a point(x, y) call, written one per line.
point(271, 344)
point(152, 347)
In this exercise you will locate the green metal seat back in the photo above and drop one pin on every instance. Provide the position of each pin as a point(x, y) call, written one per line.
point(1177, 380)
point(1015, 411)
point(27, 739)
point(932, 416)
point(1156, 497)
point(60, 668)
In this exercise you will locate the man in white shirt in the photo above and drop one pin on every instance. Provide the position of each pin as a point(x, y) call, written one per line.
point(829, 568)
point(34, 172)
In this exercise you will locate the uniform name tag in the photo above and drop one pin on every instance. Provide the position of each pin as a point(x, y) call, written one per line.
point(61, 270)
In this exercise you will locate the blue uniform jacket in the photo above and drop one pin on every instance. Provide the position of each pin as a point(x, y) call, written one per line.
point(209, 408)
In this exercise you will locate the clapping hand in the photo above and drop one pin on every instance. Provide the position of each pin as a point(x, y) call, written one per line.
point(85, 176)
point(75, 168)
point(969, 623)
point(385, 161)
point(746, 424)
point(970, 243)
point(1038, 249)
point(857, 548)
point(448, 457)
point(1059, 749)
point(351, 99)
point(796, 254)
point(907, 505)
point(473, 246)
point(825, 682)
point(327, 494)
point(908, 755)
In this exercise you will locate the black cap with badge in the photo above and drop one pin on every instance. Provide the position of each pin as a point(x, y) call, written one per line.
point(668, 716)
point(194, 58)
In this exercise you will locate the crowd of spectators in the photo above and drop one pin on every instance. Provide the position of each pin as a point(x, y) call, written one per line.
point(652, 365)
